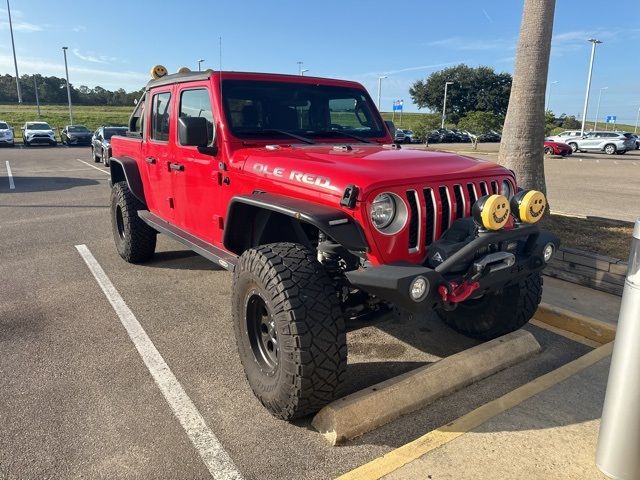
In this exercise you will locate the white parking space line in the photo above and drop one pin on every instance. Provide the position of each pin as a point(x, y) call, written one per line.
point(93, 166)
point(205, 442)
point(12, 185)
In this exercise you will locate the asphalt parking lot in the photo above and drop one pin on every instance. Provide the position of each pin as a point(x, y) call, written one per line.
point(77, 400)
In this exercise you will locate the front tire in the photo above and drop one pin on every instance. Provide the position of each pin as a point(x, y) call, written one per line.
point(135, 240)
point(610, 149)
point(94, 156)
point(289, 329)
point(497, 314)
point(548, 151)
point(105, 158)
point(574, 147)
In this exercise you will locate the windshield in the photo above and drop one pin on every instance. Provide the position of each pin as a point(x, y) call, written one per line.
point(110, 132)
point(38, 126)
point(4, 126)
point(256, 109)
point(78, 129)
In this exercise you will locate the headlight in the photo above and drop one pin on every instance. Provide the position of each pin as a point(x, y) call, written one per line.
point(388, 213)
point(506, 189)
point(529, 205)
point(491, 211)
point(383, 210)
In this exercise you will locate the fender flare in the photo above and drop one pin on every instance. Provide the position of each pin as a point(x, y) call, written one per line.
point(126, 169)
point(334, 222)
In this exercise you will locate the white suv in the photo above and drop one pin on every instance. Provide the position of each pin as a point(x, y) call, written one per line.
point(6, 134)
point(565, 136)
point(38, 132)
point(607, 142)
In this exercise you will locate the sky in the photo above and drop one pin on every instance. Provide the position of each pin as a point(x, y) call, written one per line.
point(115, 43)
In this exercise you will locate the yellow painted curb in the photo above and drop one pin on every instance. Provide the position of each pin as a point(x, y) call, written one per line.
point(399, 457)
point(596, 330)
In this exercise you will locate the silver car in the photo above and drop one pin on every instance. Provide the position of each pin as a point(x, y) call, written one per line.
point(565, 136)
point(607, 142)
point(38, 132)
point(6, 134)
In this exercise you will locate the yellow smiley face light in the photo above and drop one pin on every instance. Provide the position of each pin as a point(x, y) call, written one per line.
point(158, 71)
point(529, 205)
point(491, 211)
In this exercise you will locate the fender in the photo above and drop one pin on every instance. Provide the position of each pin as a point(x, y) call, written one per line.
point(332, 221)
point(126, 169)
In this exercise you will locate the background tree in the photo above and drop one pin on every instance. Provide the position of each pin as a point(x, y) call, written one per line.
point(569, 122)
point(521, 148)
point(474, 89)
point(549, 122)
point(480, 122)
point(426, 124)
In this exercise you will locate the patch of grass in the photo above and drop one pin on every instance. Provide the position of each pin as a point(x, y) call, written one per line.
point(593, 234)
point(58, 116)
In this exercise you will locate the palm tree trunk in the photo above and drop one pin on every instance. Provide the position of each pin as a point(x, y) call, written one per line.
point(522, 146)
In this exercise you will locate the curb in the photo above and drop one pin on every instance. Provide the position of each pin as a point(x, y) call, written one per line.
point(363, 411)
point(596, 330)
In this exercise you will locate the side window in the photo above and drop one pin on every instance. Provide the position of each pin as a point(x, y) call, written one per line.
point(160, 116)
point(196, 103)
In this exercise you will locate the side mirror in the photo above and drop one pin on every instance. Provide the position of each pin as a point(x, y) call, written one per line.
point(193, 131)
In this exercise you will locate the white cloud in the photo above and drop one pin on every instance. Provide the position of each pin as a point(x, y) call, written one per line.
point(19, 26)
point(471, 44)
point(92, 57)
point(79, 28)
point(79, 75)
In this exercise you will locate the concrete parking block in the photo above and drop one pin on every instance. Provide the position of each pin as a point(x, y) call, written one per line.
point(596, 330)
point(370, 408)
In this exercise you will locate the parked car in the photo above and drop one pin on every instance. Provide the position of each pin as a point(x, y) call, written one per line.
point(322, 234)
point(101, 142)
point(607, 142)
point(38, 132)
point(565, 136)
point(399, 136)
point(409, 136)
point(489, 137)
point(637, 139)
point(557, 148)
point(433, 137)
point(6, 134)
point(463, 137)
point(75, 135)
point(446, 136)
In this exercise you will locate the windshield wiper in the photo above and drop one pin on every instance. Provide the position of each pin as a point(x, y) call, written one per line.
point(343, 134)
point(282, 132)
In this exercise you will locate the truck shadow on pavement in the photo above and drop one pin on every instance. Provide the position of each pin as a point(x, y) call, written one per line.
point(182, 260)
point(44, 184)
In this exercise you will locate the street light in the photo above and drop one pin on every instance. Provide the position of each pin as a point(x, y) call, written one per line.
point(549, 93)
point(299, 62)
point(380, 89)
point(15, 62)
point(595, 126)
point(444, 103)
point(594, 42)
point(635, 130)
point(66, 69)
point(199, 62)
point(303, 71)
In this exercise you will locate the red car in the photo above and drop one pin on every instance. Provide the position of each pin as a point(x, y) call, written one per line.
point(294, 184)
point(557, 148)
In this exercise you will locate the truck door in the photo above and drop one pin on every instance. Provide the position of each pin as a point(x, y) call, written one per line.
point(195, 175)
point(157, 153)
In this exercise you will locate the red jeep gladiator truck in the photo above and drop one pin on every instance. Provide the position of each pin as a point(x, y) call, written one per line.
point(293, 184)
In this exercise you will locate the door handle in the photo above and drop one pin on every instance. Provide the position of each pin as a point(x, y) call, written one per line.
point(178, 167)
point(150, 160)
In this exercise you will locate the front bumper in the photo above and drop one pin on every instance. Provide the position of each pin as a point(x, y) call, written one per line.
point(392, 282)
point(41, 139)
point(79, 141)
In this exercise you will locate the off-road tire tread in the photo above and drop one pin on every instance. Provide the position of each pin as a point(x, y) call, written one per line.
point(140, 245)
point(503, 313)
point(303, 293)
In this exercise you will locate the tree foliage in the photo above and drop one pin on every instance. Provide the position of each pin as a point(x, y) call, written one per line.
point(52, 90)
point(426, 124)
point(569, 122)
point(480, 122)
point(474, 89)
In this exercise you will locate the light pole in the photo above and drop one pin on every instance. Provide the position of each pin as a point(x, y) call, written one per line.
point(35, 89)
point(380, 88)
point(444, 103)
point(299, 62)
point(594, 42)
point(595, 126)
point(302, 72)
point(549, 94)
point(66, 69)
point(635, 130)
point(15, 62)
point(199, 62)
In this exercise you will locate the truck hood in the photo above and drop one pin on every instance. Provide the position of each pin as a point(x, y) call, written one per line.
point(331, 168)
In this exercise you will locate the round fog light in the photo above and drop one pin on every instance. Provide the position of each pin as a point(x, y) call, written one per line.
point(547, 252)
point(418, 289)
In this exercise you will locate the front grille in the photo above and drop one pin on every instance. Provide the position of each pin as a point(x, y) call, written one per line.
point(433, 212)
